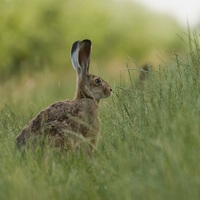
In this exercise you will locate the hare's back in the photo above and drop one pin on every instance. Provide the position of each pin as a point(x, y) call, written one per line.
point(66, 109)
point(63, 112)
point(61, 117)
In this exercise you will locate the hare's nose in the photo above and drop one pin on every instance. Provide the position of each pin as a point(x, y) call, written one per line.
point(111, 90)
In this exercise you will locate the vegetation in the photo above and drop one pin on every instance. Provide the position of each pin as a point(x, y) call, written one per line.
point(39, 34)
point(149, 144)
point(148, 148)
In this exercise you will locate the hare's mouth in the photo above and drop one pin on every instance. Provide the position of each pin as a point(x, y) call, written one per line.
point(107, 92)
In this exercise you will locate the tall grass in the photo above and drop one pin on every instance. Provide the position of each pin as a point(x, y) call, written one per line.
point(148, 148)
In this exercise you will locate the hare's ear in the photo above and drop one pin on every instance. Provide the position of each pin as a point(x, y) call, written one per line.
point(84, 56)
point(74, 56)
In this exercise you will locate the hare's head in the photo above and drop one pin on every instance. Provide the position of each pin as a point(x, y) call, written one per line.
point(88, 85)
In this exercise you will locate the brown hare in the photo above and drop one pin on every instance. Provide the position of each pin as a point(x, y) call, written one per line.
point(70, 124)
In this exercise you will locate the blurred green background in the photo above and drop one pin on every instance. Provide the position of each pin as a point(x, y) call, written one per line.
point(38, 34)
point(36, 39)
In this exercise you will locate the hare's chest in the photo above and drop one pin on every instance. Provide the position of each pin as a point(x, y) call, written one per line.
point(89, 120)
point(83, 117)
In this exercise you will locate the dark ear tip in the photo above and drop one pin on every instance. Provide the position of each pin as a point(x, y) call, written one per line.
point(87, 41)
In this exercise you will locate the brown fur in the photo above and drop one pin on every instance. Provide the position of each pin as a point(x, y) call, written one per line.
point(63, 120)
point(70, 124)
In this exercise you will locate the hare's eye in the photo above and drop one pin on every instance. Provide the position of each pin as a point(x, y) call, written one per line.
point(98, 81)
